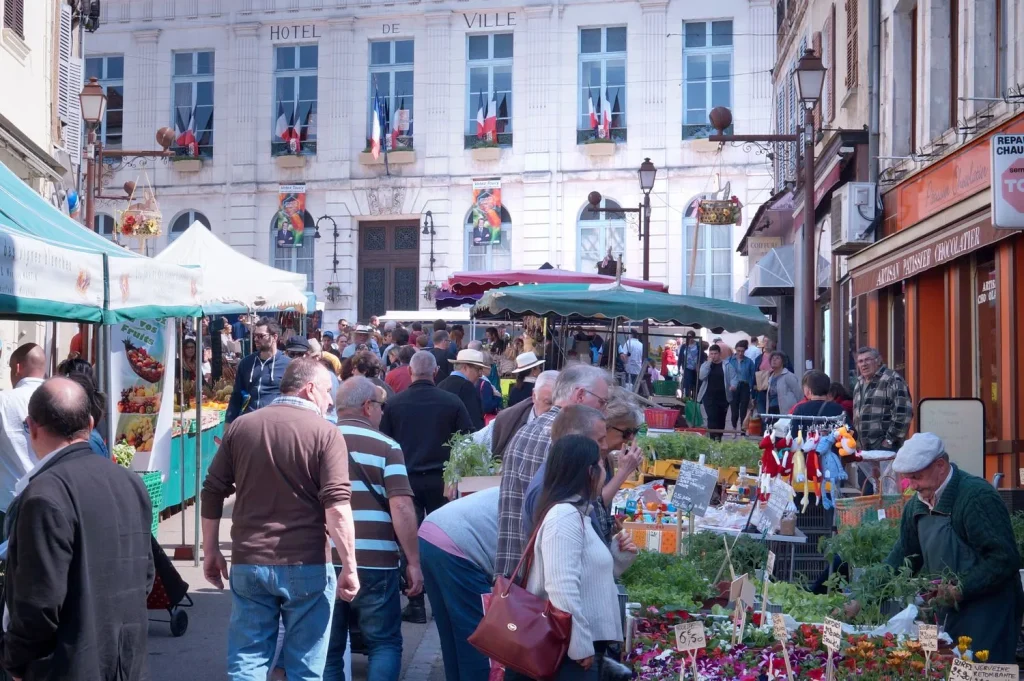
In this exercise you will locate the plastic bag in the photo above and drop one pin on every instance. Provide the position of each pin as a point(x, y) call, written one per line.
point(903, 623)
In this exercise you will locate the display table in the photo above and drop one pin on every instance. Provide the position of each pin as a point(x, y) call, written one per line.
point(172, 485)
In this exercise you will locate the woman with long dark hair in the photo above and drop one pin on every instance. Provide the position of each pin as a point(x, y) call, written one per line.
point(81, 372)
point(571, 566)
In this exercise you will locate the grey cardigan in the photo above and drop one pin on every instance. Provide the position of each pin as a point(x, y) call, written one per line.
point(787, 385)
point(728, 374)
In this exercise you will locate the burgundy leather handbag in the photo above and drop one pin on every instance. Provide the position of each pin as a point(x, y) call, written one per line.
point(522, 631)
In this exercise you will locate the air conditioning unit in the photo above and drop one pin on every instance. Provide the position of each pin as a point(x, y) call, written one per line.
point(854, 208)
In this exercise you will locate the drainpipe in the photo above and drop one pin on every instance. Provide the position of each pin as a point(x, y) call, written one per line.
point(874, 77)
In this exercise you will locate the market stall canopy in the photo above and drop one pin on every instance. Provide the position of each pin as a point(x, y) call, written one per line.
point(604, 301)
point(469, 283)
point(447, 299)
point(774, 274)
point(133, 287)
point(234, 283)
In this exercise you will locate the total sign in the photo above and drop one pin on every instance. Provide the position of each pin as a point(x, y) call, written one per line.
point(1008, 181)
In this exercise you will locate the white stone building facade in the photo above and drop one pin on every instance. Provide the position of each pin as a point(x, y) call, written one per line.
point(235, 66)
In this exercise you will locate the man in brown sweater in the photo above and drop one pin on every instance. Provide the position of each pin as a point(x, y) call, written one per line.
point(288, 469)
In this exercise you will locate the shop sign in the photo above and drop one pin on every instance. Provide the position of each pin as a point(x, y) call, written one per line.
point(1008, 184)
point(948, 182)
point(758, 247)
point(295, 32)
point(937, 250)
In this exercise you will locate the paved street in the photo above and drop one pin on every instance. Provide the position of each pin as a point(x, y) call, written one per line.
point(200, 655)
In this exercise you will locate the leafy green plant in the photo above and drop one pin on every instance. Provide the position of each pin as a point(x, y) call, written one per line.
point(862, 545)
point(468, 458)
point(880, 591)
point(1017, 520)
point(802, 605)
point(706, 552)
point(124, 453)
point(690, 447)
point(659, 579)
point(736, 453)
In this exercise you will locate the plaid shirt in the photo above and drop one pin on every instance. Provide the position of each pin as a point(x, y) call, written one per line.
point(882, 410)
point(525, 453)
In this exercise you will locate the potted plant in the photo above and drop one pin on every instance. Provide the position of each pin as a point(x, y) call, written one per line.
point(469, 461)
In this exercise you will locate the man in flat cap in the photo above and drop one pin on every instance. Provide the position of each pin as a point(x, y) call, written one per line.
point(958, 522)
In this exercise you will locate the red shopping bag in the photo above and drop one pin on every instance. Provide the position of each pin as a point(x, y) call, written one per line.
point(497, 671)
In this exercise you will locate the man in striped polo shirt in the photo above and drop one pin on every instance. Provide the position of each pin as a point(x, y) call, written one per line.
point(385, 518)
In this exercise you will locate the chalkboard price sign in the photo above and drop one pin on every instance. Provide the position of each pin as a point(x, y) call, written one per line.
point(694, 487)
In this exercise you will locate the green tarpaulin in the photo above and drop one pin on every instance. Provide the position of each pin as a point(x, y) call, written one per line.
point(603, 301)
point(52, 267)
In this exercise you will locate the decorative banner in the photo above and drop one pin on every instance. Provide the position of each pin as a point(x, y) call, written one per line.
point(290, 220)
point(137, 284)
point(487, 212)
point(142, 390)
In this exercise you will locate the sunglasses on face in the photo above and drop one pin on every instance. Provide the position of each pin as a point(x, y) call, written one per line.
point(627, 433)
point(295, 354)
point(261, 336)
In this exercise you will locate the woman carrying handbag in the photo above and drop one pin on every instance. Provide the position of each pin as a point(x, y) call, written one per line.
point(570, 568)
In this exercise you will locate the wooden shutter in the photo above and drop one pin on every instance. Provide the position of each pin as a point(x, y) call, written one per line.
point(73, 128)
point(851, 45)
point(829, 43)
point(816, 46)
point(64, 64)
point(14, 16)
point(781, 127)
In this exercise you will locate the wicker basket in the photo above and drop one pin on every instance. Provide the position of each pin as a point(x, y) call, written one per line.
point(663, 419)
point(153, 480)
point(852, 510)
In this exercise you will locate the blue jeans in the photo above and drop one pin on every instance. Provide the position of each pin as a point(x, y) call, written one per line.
point(378, 611)
point(261, 596)
point(454, 586)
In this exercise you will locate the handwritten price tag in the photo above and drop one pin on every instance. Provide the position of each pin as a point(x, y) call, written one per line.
point(961, 671)
point(833, 634)
point(771, 564)
point(779, 627)
point(928, 636)
point(690, 636)
point(996, 672)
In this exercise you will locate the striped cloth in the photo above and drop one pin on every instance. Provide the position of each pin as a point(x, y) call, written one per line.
point(384, 465)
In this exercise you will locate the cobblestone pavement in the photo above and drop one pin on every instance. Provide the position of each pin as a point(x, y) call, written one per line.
point(200, 655)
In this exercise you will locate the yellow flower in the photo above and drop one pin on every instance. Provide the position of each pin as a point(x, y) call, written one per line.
point(981, 656)
point(963, 644)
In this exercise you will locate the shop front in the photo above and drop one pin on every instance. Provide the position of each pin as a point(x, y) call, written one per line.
point(940, 296)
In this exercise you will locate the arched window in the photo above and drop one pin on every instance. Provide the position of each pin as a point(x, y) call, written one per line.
point(184, 221)
point(491, 257)
point(104, 224)
point(298, 259)
point(707, 253)
point(596, 232)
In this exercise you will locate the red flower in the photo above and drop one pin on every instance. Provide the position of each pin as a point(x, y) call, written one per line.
point(816, 674)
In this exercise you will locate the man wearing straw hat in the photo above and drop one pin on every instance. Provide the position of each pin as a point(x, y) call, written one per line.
point(468, 367)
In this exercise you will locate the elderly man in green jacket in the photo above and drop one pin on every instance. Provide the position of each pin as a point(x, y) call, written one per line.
point(958, 522)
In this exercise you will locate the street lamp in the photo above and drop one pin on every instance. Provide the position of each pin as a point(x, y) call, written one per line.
point(93, 101)
point(810, 77)
point(647, 173)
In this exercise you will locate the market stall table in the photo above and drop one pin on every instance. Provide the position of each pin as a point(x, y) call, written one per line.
point(210, 435)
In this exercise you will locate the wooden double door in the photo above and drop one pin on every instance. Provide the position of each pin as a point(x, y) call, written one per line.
point(389, 266)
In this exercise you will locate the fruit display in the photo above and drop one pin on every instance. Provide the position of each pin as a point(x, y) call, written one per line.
point(139, 399)
point(137, 431)
point(146, 367)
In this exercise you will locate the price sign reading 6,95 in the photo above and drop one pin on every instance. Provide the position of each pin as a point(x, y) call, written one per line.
point(690, 636)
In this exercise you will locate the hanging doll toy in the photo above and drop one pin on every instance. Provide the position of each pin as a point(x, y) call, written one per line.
point(776, 448)
point(832, 469)
point(807, 468)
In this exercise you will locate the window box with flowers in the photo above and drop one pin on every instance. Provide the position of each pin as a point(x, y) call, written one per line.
point(484, 150)
point(186, 162)
point(598, 146)
point(402, 153)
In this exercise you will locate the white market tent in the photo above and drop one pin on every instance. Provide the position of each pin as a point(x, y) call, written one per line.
point(232, 282)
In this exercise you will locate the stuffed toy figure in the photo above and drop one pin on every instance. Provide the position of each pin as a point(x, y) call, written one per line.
point(776, 448)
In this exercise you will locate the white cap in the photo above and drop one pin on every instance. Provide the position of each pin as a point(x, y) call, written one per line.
point(918, 453)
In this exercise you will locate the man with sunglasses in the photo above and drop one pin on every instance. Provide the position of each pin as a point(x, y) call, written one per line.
point(258, 379)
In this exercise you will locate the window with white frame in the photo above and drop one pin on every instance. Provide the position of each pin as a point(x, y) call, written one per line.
point(192, 115)
point(489, 106)
point(602, 74)
point(186, 220)
point(109, 71)
point(391, 79)
point(492, 257)
point(707, 74)
point(298, 259)
point(598, 233)
point(295, 96)
point(104, 224)
point(14, 17)
point(707, 258)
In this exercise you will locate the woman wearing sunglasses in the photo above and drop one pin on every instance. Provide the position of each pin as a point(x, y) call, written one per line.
point(623, 418)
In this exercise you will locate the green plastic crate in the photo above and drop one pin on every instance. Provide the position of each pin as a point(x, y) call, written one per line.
point(153, 480)
point(665, 388)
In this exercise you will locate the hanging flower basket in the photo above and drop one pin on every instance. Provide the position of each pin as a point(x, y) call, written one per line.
point(719, 212)
point(142, 217)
